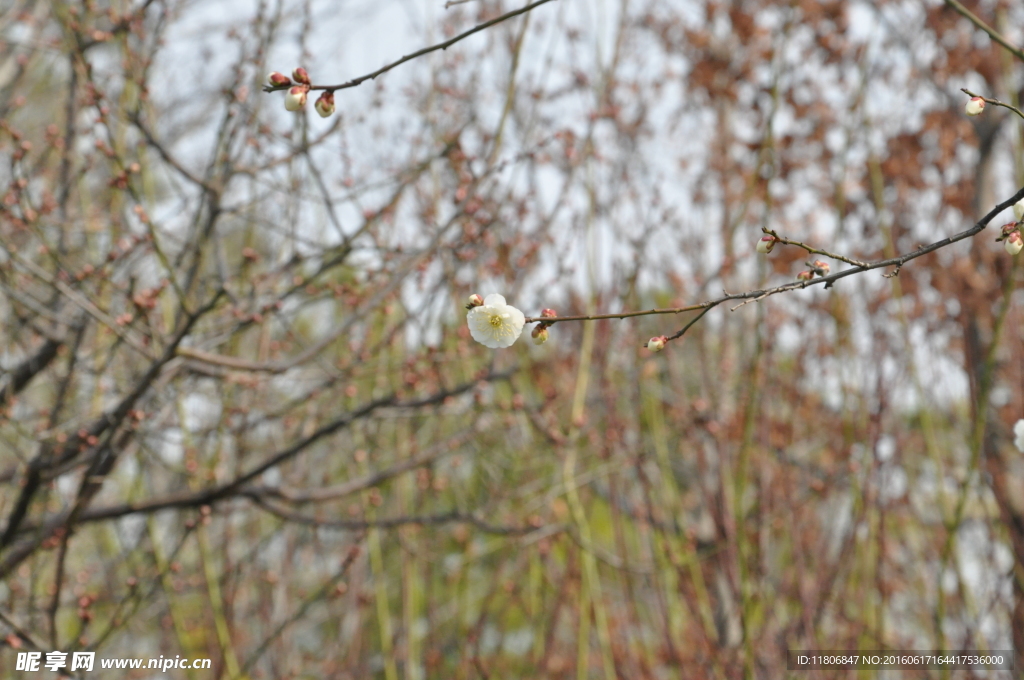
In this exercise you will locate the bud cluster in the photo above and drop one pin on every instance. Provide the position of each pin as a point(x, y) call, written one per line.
point(540, 333)
point(299, 86)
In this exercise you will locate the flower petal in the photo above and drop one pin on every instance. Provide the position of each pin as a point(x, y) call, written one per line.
point(494, 300)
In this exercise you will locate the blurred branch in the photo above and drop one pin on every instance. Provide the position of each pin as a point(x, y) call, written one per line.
point(84, 303)
point(237, 486)
point(391, 522)
point(319, 595)
point(432, 454)
point(22, 634)
point(21, 374)
point(992, 33)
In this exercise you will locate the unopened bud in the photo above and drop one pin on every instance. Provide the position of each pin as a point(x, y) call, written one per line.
point(805, 276)
point(657, 343)
point(299, 75)
point(1014, 243)
point(548, 313)
point(475, 300)
point(765, 245)
point(278, 79)
point(325, 104)
point(821, 267)
point(539, 335)
point(295, 100)
point(975, 105)
point(1018, 210)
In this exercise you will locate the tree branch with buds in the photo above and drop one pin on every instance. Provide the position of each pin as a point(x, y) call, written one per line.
point(819, 272)
point(295, 100)
point(975, 98)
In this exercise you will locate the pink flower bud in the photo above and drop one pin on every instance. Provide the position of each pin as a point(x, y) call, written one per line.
point(975, 105)
point(295, 100)
point(475, 300)
point(540, 334)
point(278, 79)
point(1014, 243)
point(805, 276)
point(325, 104)
point(657, 343)
point(299, 75)
point(821, 268)
point(765, 245)
point(548, 313)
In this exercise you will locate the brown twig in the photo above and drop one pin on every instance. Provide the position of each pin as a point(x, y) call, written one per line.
point(993, 101)
point(756, 295)
point(419, 53)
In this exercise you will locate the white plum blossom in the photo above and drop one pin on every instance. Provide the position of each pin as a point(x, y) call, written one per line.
point(495, 324)
point(1018, 210)
point(1018, 431)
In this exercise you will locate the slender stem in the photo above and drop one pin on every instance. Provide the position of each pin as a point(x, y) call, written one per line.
point(623, 315)
point(419, 53)
point(816, 251)
point(755, 295)
point(993, 101)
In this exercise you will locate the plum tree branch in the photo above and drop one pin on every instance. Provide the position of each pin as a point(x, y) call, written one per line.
point(755, 295)
point(993, 101)
point(419, 53)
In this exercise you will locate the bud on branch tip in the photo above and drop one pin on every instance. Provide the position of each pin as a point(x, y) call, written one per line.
point(765, 245)
point(975, 105)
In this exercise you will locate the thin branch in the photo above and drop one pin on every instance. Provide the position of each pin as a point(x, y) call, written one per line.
point(426, 50)
point(238, 486)
point(83, 302)
point(755, 295)
point(993, 101)
point(815, 251)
